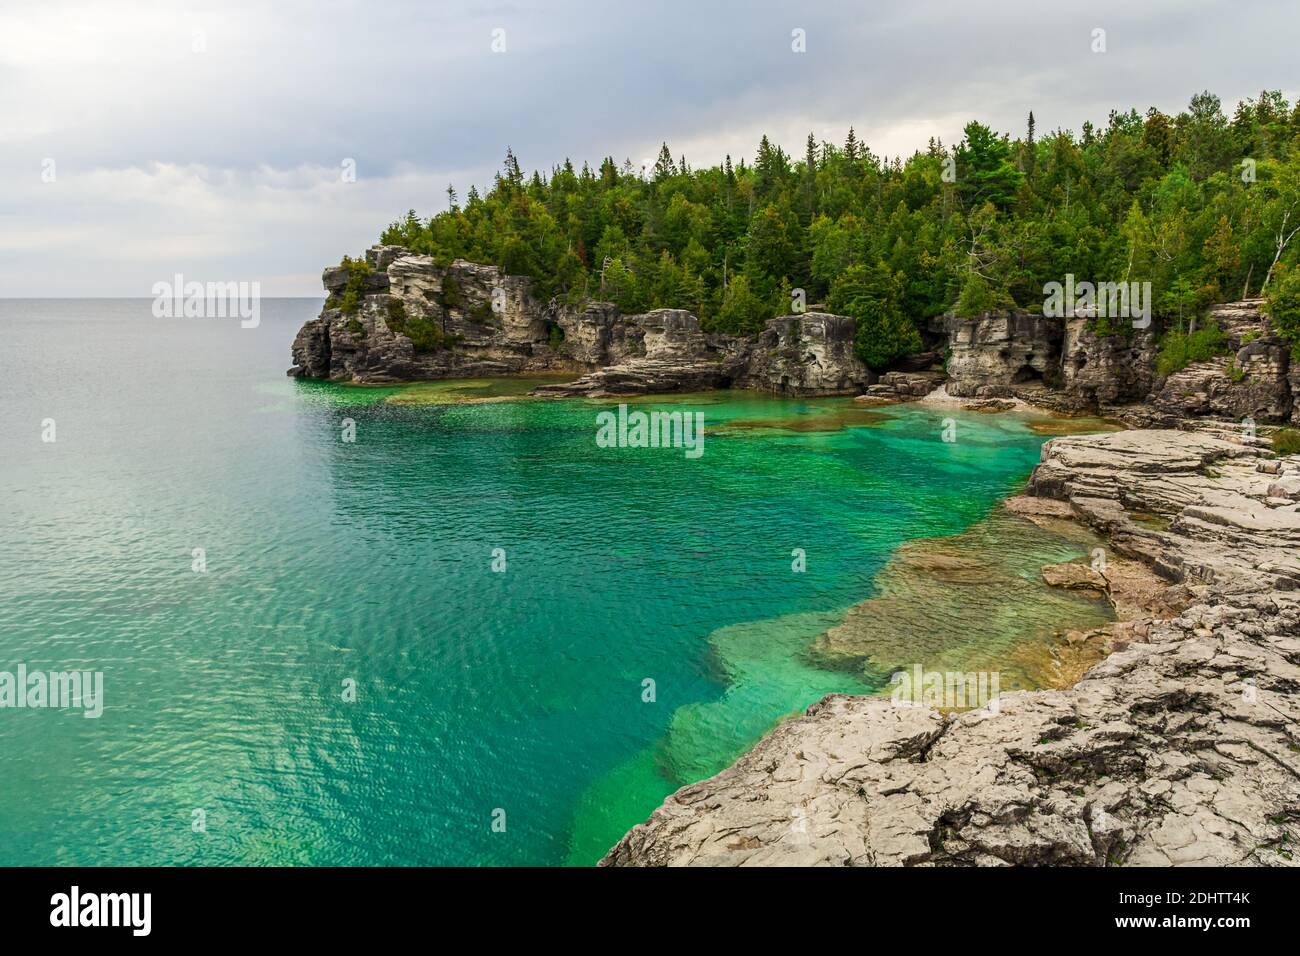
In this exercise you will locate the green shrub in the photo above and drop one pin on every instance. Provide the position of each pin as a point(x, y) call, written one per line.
point(359, 272)
point(1286, 441)
point(1282, 304)
point(872, 296)
point(978, 296)
point(1179, 349)
point(742, 313)
point(426, 334)
point(451, 297)
point(1104, 326)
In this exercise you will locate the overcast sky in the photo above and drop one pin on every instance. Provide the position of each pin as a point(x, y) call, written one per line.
point(142, 139)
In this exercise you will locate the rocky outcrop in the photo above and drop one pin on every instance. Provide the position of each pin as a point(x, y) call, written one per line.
point(1102, 370)
point(1253, 381)
point(473, 321)
point(1179, 748)
point(416, 320)
point(1068, 366)
point(902, 387)
point(993, 353)
point(809, 354)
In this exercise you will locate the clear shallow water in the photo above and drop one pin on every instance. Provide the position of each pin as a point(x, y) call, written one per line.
point(372, 562)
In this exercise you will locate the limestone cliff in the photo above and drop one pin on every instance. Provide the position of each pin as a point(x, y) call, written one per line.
point(1064, 364)
point(415, 319)
point(482, 322)
point(475, 320)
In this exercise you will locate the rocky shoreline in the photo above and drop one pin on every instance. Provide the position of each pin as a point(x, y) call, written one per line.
point(1181, 747)
point(406, 318)
point(489, 323)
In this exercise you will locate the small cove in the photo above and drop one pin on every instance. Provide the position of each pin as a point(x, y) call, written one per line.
point(372, 561)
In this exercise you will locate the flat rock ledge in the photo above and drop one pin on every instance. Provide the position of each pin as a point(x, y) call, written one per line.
point(1181, 748)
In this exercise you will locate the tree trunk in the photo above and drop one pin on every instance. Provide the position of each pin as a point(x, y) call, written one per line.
point(1283, 237)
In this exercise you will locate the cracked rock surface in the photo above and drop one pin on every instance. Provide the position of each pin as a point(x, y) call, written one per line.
point(1182, 747)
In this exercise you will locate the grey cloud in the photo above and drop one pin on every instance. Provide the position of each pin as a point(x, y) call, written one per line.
point(248, 132)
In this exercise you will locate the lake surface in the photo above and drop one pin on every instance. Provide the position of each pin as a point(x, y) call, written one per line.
point(516, 694)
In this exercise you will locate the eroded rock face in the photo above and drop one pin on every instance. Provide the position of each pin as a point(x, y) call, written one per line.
point(993, 353)
point(491, 324)
point(1255, 381)
point(1067, 366)
point(1221, 388)
point(809, 354)
point(659, 351)
point(1099, 370)
point(1180, 748)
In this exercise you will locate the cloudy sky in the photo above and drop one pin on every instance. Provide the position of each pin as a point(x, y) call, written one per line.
point(142, 139)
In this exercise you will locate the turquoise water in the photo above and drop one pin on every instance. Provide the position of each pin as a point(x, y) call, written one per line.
point(477, 691)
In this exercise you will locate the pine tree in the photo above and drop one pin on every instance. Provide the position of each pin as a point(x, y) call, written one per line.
point(664, 167)
point(852, 148)
point(512, 174)
point(1145, 199)
point(1031, 150)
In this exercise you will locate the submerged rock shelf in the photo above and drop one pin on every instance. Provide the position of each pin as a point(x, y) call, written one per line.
point(1182, 747)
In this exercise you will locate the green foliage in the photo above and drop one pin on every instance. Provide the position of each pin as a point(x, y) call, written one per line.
point(1282, 303)
point(426, 334)
point(977, 296)
point(1107, 325)
point(872, 296)
point(1286, 441)
point(985, 172)
point(359, 272)
point(1180, 349)
point(742, 311)
point(451, 296)
point(1144, 198)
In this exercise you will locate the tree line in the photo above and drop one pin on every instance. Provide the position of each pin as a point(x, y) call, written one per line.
point(1202, 206)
